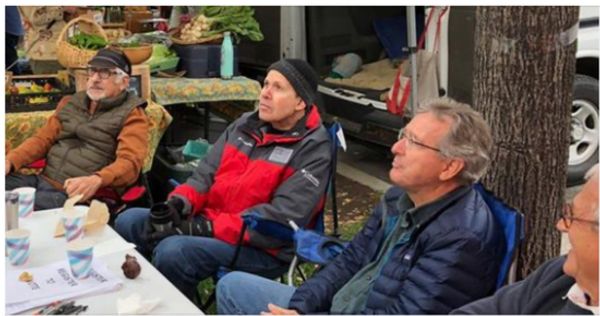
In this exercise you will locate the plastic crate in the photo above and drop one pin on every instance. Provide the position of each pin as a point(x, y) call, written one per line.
point(38, 101)
point(203, 60)
point(196, 149)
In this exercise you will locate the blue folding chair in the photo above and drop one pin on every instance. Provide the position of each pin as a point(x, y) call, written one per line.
point(513, 228)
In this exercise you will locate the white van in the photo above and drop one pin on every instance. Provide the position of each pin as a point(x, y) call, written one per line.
point(319, 34)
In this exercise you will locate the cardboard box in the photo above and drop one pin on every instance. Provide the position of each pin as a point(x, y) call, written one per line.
point(133, 18)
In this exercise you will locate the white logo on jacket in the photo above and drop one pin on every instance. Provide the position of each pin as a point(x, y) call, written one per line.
point(310, 177)
point(245, 142)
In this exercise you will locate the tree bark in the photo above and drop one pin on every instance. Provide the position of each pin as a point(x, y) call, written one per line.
point(523, 79)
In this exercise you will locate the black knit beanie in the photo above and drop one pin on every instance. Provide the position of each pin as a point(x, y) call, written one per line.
point(301, 76)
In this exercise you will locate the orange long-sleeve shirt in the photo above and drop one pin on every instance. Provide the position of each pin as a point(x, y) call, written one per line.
point(132, 148)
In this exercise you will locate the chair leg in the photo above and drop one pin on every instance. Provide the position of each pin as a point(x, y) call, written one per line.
point(334, 203)
point(146, 185)
point(290, 274)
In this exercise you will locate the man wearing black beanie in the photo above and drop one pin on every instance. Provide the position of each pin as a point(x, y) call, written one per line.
point(273, 163)
point(301, 76)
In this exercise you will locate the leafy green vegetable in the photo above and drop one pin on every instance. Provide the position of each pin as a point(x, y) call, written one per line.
point(161, 50)
point(162, 58)
point(238, 20)
point(87, 41)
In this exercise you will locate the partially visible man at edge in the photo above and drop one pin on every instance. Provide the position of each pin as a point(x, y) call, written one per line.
point(564, 285)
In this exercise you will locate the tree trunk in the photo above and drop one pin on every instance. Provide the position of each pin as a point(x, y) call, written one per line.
point(523, 79)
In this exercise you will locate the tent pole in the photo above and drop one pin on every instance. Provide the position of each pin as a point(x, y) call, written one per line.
point(412, 46)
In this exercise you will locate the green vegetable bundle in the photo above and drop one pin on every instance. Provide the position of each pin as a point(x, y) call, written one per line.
point(238, 20)
point(88, 41)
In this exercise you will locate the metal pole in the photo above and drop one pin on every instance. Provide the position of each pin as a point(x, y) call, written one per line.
point(412, 47)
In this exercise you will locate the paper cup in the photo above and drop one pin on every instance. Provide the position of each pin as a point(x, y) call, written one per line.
point(73, 222)
point(26, 200)
point(80, 254)
point(17, 246)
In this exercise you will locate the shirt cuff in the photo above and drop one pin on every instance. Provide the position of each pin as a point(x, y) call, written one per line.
point(107, 178)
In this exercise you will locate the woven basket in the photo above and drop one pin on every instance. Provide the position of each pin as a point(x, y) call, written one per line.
point(174, 36)
point(72, 56)
point(116, 34)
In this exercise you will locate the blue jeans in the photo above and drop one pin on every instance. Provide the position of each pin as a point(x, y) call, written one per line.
point(187, 260)
point(243, 293)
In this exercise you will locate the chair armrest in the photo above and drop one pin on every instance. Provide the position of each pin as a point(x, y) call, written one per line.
point(268, 227)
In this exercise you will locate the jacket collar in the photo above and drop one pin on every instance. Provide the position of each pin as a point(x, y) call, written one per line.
point(422, 215)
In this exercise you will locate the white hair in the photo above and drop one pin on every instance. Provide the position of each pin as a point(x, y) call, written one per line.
point(120, 75)
point(592, 175)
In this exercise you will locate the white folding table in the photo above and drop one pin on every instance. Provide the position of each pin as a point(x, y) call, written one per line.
point(111, 249)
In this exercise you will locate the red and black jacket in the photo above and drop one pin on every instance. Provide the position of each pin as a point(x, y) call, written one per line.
point(281, 176)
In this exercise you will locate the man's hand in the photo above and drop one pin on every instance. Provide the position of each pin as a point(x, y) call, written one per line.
point(276, 310)
point(87, 186)
point(8, 167)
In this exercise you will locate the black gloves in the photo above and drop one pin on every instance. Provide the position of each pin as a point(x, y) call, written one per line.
point(166, 220)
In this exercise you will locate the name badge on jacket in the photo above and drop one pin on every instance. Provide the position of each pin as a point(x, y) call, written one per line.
point(281, 155)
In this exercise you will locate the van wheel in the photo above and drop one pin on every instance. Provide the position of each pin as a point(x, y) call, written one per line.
point(583, 149)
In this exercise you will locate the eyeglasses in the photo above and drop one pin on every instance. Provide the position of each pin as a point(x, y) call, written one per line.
point(412, 142)
point(103, 73)
point(567, 217)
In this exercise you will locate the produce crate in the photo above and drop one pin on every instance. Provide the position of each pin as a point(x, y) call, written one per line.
point(28, 93)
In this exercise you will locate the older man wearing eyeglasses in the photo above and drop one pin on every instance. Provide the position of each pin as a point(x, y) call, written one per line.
point(96, 138)
point(430, 246)
point(565, 285)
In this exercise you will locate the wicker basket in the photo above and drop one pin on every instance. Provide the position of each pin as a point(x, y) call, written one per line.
point(72, 56)
point(116, 34)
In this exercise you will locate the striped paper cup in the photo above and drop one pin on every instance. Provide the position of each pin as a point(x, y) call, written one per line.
point(26, 200)
point(80, 254)
point(73, 222)
point(17, 246)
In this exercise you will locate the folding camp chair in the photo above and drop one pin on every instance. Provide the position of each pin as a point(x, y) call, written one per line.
point(513, 229)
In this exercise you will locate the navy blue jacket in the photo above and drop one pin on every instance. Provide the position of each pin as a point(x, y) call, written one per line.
point(543, 292)
point(449, 261)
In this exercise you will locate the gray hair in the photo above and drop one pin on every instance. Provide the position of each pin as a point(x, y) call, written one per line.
point(469, 138)
point(592, 175)
point(120, 75)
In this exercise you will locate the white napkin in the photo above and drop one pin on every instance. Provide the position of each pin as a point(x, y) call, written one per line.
point(134, 304)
